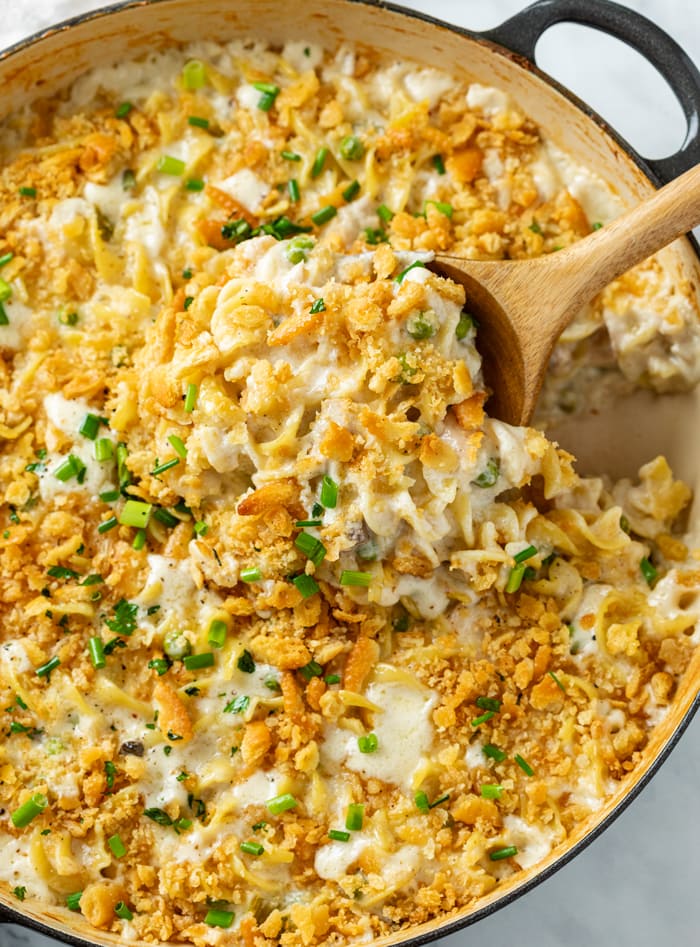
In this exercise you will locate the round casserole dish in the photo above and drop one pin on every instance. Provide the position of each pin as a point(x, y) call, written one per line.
point(55, 58)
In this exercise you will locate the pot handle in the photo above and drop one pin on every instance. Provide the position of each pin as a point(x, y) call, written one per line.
point(521, 33)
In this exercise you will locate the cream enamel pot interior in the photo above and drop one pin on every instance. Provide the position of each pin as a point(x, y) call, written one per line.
point(616, 443)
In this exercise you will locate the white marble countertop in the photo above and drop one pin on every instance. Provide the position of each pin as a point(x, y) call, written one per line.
point(637, 885)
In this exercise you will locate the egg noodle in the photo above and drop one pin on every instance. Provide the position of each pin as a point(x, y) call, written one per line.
point(297, 644)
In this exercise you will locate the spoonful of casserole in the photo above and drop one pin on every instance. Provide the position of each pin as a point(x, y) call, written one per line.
point(523, 306)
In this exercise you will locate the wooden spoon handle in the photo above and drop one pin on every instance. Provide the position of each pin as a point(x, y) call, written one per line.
point(603, 256)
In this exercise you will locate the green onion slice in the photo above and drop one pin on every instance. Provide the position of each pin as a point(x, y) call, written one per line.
point(354, 817)
point(218, 918)
point(281, 803)
point(351, 577)
point(29, 810)
point(500, 853)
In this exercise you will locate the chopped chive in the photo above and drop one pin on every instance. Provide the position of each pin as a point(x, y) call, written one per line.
point(524, 765)
point(515, 578)
point(442, 206)
point(27, 192)
point(351, 191)
point(329, 493)
point(305, 584)
point(108, 524)
point(195, 662)
point(200, 528)
point(165, 517)
point(402, 274)
point(104, 449)
point(525, 554)
point(488, 703)
point(312, 669)
point(290, 156)
point(72, 466)
point(97, 652)
point(194, 184)
point(332, 678)
point(596, 226)
point(219, 918)
point(355, 816)
point(197, 121)
point(648, 571)
point(325, 214)
point(178, 445)
point(20, 892)
point(5, 291)
point(73, 901)
point(251, 848)
point(312, 548)
point(135, 513)
point(191, 397)
point(338, 835)
point(5, 258)
point(46, 669)
point(168, 465)
point(319, 162)
point(90, 426)
point(122, 911)
point(4, 321)
point(139, 540)
point(384, 213)
point(269, 94)
point(301, 523)
point(557, 681)
point(351, 577)
point(117, 846)
point(500, 853)
point(477, 721)
point(491, 791)
point(293, 188)
point(245, 662)
point(318, 306)
point(439, 801)
point(375, 236)
point(535, 227)
point(368, 743)
point(29, 810)
point(169, 165)
point(128, 180)
point(122, 469)
point(123, 109)
point(216, 635)
point(250, 575)
point(281, 803)
point(187, 273)
point(439, 164)
point(421, 801)
point(158, 815)
point(351, 148)
point(194, 74)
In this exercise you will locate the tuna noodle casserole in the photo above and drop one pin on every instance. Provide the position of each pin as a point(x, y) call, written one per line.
point(297, 644)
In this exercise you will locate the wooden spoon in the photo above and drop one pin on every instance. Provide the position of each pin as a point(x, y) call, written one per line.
point(523, 306)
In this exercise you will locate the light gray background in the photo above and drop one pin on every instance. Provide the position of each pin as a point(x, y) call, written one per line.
point(638, 885)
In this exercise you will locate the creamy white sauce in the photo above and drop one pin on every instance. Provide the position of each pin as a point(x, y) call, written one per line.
point(404, 733)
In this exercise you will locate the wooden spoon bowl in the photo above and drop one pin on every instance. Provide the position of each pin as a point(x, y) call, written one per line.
point(523, 306)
